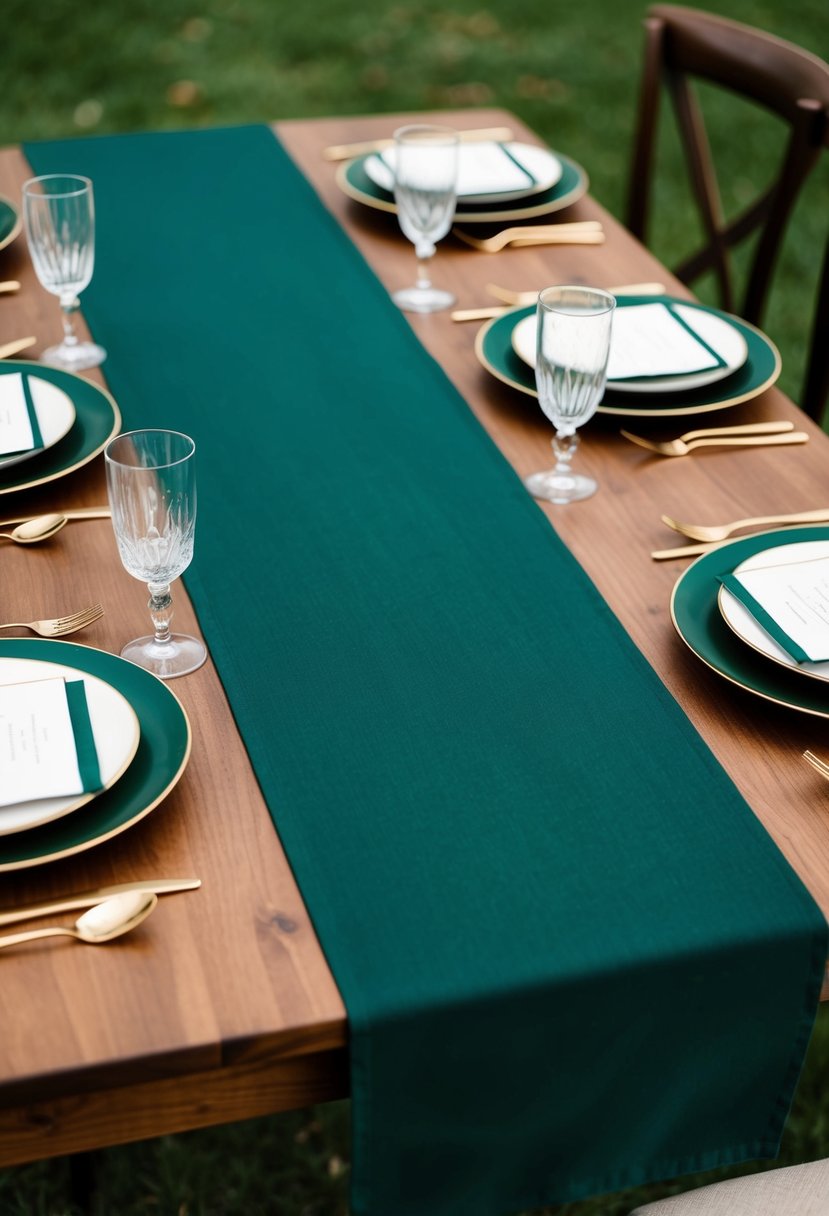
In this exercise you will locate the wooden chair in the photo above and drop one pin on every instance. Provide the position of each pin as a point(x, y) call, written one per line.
point(797, 1190)
point(683, 44)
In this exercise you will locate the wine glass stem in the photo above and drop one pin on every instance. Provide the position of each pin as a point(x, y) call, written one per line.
point(424, 251)
point(564, 446)
point(161, 610)
point(69, 305)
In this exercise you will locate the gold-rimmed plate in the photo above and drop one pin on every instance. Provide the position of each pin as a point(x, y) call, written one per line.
point(160, 759)
point(115, 730)
point(494, 350)
point(97, 419)
point(10, 222)
point(353, 180)
point(698, 621)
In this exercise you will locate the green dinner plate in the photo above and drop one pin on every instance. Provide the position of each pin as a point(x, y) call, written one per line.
point(10, 222)
point(97, 419)
point(493, 346)
point(356, 183)
point(163, 752)
point(698, 621)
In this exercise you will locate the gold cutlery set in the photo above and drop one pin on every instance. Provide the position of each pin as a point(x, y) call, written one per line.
point(112, 911)
point(750, 434)
point(31, 530)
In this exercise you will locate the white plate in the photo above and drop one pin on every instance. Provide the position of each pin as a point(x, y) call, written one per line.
point(542, 164)
point(739, 619)
point(725, 338)
point(55, 417)
point(114, 725)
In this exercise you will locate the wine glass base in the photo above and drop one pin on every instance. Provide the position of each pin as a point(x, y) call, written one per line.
point(178, 657)
point(423, 299)
point(560, 487)
point(74, 358)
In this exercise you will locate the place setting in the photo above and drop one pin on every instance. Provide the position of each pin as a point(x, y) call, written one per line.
point(668, 356)
point(91, 742)
point(53, 421)
point(755, 608)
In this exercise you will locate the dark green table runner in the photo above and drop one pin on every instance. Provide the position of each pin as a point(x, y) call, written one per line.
point(572, 958)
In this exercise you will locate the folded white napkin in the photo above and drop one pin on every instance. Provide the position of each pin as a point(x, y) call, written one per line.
point(658, 340)
point(483, 168)
point(791, 602)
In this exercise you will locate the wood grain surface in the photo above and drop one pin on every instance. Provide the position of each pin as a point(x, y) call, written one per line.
point(221, 1006)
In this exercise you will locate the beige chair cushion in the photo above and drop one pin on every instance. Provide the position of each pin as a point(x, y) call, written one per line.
point(798, 1190)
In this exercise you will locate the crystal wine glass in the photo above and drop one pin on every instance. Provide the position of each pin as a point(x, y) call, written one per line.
point(573, 345)
point(425, 183)
point(59, 213)
point(151, 483)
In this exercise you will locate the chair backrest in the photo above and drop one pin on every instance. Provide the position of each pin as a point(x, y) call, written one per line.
point(683, 44)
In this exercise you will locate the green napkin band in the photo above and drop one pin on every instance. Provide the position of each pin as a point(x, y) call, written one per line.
point(37, 438)
point(88, 766)
point(764, 619)
point(519, 164)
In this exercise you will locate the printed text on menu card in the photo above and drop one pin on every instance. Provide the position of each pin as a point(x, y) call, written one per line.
point(38, 756)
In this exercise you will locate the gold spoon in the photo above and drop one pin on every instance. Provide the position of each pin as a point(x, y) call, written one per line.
point(102, 923)
point(35, 530)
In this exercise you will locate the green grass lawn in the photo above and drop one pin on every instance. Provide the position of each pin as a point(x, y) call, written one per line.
point(571, 72)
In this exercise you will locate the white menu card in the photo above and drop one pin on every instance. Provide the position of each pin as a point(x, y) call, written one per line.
point(38, 753)
point(791, 602)
point(15, 425)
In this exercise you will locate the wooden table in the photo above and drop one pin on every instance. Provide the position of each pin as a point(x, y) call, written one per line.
point(222, 1006)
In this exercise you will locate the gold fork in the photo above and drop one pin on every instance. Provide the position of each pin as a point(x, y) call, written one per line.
point(56, 627)
point(817, 764)
point(685, 443)
point(579, 232)
point(714, 532)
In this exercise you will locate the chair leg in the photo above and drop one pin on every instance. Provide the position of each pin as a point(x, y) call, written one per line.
point(82, 1181)
point(816, 388)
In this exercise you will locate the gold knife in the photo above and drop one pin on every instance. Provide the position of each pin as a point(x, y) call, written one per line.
point(81, 513)
point(349, 151)
point(87, 899)
point(663, 555)
point(13, 348)
point(524, 299)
